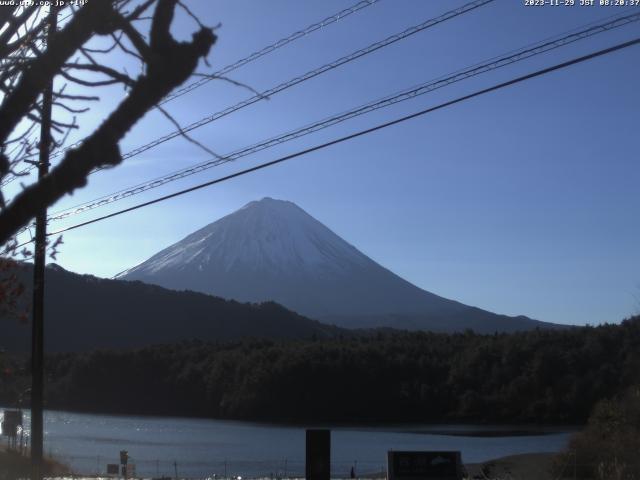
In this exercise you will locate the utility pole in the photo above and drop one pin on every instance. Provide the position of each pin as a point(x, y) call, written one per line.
point(37, 333)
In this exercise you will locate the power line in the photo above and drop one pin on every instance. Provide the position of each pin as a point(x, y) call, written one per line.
point(270, 48)
point(407, 94)
point(292, 82)
point(297, 80)
point(360, 133)
point(310, 74)
point(235, 65)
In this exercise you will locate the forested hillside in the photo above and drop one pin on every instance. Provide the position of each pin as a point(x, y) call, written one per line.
point(86, 312)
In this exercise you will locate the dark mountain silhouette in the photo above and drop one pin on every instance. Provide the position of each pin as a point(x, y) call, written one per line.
point(83, 312)
point(273, 250)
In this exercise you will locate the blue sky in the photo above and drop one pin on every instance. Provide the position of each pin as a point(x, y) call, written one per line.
point(523, 201)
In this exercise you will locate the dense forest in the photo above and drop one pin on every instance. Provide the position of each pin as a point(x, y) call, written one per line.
point(554, 376)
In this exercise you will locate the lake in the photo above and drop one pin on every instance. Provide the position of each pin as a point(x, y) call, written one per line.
point(204, 448)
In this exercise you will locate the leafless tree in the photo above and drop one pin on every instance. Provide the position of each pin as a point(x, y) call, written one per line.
point(78, 55)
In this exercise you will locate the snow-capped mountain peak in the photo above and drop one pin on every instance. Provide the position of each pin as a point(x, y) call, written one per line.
point(265, 234)
point(272, 250)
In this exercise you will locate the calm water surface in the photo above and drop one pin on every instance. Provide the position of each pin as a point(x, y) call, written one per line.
point(204, 448)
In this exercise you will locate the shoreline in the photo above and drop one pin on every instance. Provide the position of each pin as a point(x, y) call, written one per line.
point(458, 428)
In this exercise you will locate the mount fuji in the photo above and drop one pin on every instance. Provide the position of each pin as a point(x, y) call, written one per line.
point(273, 250)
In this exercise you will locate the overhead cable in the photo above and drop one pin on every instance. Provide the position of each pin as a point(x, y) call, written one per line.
point(360, 133)
point(309, 75)
point(270, 48)
point(407, 94)
point(233, 66)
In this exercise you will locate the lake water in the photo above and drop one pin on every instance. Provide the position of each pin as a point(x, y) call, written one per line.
point(202, 447)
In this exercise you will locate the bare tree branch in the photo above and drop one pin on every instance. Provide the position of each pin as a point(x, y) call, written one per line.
point(185, 134)
point(168, 64)
point(64, 44)
point(116, 76)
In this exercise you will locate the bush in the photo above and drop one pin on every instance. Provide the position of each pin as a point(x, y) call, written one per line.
point(607, 449)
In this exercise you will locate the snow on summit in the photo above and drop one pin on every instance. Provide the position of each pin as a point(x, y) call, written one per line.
point(265, 234)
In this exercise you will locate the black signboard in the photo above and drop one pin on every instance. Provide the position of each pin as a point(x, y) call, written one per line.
point(113, 469)
point(424, 465)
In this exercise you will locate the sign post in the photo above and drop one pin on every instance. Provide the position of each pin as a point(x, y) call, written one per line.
point(124, 459)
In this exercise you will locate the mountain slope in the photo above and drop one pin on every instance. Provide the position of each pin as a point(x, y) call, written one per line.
point(84, 312)
point(273, 250)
